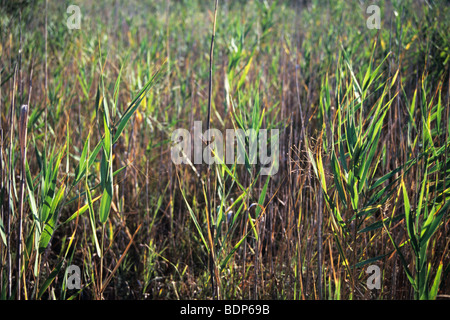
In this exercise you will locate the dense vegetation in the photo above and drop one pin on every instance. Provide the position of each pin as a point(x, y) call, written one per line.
point(364, 165)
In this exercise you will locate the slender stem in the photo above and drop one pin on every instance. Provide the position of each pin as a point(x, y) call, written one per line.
point(20, 58)
point(23, 151)
point(320, 244)
point(11, 177)
point(101, 261)
point(46, 70)
point(213, 267)
point(1, 173)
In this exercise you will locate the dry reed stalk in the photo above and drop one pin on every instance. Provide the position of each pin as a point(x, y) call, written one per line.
point(10, 186)
point(1, 173)
point(213, 266)
point(46, 69)
point(23, 153)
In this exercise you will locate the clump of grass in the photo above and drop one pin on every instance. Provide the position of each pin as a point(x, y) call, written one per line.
point(363, 176)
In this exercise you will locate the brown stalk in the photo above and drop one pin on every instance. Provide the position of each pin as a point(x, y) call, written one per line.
point(46, 70)
point(212, 265)
point(2, 173)
point(23, 154)
point(10, 186)
point(105, 284)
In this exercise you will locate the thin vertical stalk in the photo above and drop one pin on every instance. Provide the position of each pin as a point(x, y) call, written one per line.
point(30, 82)
point(10, 186)
point(1, 174)
point(213, 267)
point(23, 154)
point(319, 244)
point(46, 69)
point(20, 58)
point(100, 294)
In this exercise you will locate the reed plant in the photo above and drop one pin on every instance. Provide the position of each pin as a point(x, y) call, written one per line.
point(362, 176)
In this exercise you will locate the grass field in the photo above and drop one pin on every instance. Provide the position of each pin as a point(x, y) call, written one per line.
point(362, 186)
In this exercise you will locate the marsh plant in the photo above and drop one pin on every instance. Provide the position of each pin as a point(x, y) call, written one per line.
point(224, 149)
point(212, 151)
